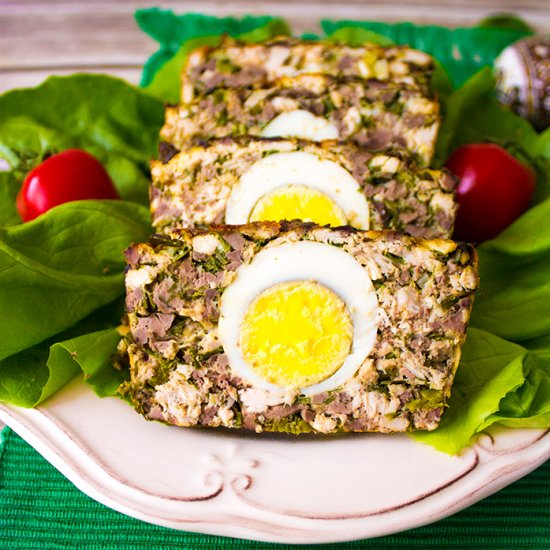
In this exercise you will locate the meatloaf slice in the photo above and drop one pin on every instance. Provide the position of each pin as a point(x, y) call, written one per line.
point(373, 113)
point(235, 64)
point(182, 374)
point(194, 187)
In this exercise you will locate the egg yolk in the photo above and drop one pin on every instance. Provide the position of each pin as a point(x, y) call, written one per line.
point(298, 202)
point(296, 334)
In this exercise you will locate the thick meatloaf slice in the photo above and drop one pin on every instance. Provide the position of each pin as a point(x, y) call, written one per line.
point(180, 371)
point(194, 187)
point(373, 113)
point(235, 64)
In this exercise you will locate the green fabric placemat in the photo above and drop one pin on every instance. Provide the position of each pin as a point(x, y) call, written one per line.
point(39, 508)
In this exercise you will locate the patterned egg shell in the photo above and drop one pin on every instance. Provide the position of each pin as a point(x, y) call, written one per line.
point(523, 73)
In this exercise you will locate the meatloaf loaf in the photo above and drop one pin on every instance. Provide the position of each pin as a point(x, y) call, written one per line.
point(191, 316)
point(373, 113)
point(235, 64)
point(224, 181)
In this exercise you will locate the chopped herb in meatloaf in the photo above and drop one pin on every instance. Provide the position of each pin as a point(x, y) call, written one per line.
point(180, 373)
point(372, 113)
point(235, 64)
point(193, 188)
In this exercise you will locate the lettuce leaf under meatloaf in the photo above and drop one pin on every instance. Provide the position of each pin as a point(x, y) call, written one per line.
point(180, 374)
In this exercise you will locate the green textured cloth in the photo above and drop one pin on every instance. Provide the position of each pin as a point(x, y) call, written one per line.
point(39, 508)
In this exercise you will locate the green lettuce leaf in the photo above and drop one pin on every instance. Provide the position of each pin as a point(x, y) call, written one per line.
point(543, 144)
point(171, 31)
point(117, 123)
point(31, 376)
point(529, 406)
point(60, 273)
point(9, 187)
point(472, 114)
point(511, 307)
point(63, 268)
point(505, 21)
point(357, 36)
point(497, 381)
point(513, 300)
point(490, 368)
point(92, 353)
point(178, 35)
point(59, 268)
point(514, 296)
point(166, 82)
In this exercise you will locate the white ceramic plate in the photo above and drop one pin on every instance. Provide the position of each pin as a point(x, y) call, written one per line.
point(265, 487)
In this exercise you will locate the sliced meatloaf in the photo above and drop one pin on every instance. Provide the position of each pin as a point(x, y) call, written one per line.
point(194, 187)
point(373, 113)
point(181, 373)
point(236, 64)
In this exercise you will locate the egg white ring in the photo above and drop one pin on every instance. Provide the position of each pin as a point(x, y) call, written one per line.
point(301, 124)
point(309, 261)
point(298, 168)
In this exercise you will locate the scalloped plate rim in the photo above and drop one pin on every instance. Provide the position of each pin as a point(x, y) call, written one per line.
point(85, 471)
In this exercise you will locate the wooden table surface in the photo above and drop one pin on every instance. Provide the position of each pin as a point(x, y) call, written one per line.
point(39, 38)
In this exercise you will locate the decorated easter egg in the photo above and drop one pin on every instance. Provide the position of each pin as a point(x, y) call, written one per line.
point(523, 73)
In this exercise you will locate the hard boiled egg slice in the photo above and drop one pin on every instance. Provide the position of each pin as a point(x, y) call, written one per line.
point(301, 124)
point(296, 334)
point(298, 202)
point(301, 316)
point(283, 185)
